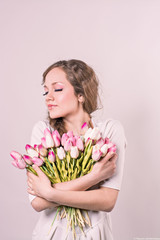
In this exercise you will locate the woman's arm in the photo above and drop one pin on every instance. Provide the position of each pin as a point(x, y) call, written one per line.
point(102, 199)
point(101, 170)
point(39, 204)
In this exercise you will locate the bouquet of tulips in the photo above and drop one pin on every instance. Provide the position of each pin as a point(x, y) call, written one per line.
point(63, 158)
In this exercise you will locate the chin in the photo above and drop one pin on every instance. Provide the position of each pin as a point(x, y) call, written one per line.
point(54, 116)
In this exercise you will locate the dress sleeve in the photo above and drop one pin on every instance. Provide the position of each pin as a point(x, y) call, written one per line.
point(115, 132)
point(36, 135)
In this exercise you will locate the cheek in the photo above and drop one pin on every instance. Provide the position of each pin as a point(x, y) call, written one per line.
point(67, 98)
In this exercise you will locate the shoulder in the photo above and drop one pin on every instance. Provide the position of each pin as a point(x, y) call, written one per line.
point(110, 125)
point(112, 129)
point(40, 126)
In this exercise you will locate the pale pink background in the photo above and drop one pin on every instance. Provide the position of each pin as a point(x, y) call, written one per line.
point(121, 41)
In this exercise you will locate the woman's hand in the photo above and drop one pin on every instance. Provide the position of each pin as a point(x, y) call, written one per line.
point(105, 168)
point(38, 185)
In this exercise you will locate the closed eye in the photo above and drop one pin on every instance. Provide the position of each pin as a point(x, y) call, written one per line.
point(58, 90)
point(45, 93)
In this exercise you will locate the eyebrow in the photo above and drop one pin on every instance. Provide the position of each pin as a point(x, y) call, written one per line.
point(53, 84)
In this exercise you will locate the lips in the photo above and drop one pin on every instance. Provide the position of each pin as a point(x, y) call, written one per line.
point(51, 106)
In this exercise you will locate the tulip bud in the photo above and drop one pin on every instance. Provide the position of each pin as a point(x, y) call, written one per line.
point(56, 140)
point(73, 140)
point(70, 133)
point(88, 141)
point(95, 134)
point(43, 141)
point(104, 149)
point(42, 150)
point(18, 160)
point(100, 142)
point(14, 163)
point(74, 152)
point(110, 144)
point(19, 164)
point(15, 155)
point(87, 134)
point(55, 132)
point(51, 156)
point(37, 161)
point(64, 138)
point(84, 128)
point(112, 149)
point(27, 159)
point(79, 144)
point(107, 140)
point(49, 139)
point(31, 151)
point(68, 145)
point(61, 153)
point(96, 155)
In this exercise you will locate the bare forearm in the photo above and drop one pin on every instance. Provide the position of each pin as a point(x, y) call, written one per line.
point(79, 184)
point(96, 200)
point(40, 204)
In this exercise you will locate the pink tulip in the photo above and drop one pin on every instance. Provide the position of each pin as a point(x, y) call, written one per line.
point(104, 149)
point(64, 138)
point(55, 132)
point(74, 152)
point(88, 141)
point(68, 145)
point(73, 140)
point(96, 155)
point(15, 155)
point(35, 147)
point(84, 126)
point(70, 133)
point(100, 142)
point(61, 153)
point(112, 149)
point(107, 140)
point(110, 144)
point(19, 164)
point(37, 161)
point(87, 134)
point(49, 139)
point(31, 151)
point(42, 150)
point(18, 160)
point(79, 144)
point(43, 141)
point(56, 140)
point(95, 134)
point(14, 163)
point(51, 156)
point(27, 159)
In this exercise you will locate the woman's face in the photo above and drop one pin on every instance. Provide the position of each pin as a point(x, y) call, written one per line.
point(60, 98)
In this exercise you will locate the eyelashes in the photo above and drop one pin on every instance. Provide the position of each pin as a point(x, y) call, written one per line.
point(44, 94)
point(56, 90)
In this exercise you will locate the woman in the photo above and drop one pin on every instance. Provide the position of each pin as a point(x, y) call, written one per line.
point(71, 93)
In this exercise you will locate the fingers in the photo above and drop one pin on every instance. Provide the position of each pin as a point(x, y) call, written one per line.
point(38, 170)
point(30, 191)
point(109, 156)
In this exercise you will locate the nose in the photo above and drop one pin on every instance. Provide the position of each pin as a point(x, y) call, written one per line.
point(49, 96)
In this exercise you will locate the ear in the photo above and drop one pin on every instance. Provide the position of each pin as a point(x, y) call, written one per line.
point(81, 98)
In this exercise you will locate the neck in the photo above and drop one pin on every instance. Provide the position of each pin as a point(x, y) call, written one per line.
point(75, 122)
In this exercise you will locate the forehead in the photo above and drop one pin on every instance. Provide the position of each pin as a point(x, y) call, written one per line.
point(56, 75)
